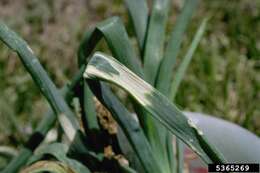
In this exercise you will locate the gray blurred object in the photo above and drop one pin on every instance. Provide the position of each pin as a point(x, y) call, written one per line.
point(236, 143)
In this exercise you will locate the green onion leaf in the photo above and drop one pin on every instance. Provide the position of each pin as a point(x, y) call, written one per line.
point(138, 11)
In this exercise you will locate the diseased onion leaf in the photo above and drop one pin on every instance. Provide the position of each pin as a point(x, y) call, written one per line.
point(103, 67)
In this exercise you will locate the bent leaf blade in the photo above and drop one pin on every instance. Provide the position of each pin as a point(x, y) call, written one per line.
point(102, 67)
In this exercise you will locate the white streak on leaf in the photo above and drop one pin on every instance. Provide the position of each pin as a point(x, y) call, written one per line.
point(67, 126)
point(125, 77)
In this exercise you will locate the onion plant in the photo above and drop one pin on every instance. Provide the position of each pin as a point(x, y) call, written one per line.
point(153, 126)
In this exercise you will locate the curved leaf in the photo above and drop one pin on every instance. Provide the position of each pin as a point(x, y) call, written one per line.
point(117, 40)
point(48, 166)
point(59, 151)
point(102, 67)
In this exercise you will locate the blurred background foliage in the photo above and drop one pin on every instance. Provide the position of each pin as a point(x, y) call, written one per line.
point(222, 80)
